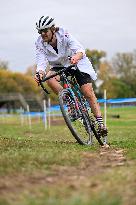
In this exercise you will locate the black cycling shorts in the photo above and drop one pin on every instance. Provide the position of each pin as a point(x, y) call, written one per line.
point(81, 77)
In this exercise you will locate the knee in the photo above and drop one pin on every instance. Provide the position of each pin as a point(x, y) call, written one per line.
point(51, 82)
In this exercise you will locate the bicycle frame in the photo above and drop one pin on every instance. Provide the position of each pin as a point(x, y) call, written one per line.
point(66, 83)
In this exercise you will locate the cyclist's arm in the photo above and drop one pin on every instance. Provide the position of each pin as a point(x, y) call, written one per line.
point(41, 62)
point(41, 59)
point(75, 46)
point(76, 57)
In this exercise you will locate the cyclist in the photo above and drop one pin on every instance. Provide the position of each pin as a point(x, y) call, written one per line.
point(53, 46)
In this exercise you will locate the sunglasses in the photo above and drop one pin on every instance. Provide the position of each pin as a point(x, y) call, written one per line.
point(43, 30)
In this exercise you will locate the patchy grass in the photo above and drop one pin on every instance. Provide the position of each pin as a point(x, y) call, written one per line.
point(39, 166)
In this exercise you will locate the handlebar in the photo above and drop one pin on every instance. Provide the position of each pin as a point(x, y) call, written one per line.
point(59, 72)
point(53, 75)
point(41, 84)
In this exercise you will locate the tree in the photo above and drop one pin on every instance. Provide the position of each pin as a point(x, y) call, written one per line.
point(95, 57)
point(124, 66)
point(26, 83)
point(17, 82)
point(3, 65)
point(116, 88)
point(7, 83)
point(104, 74)
point(105, 71)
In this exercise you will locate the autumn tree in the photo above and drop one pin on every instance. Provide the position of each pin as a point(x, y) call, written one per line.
point(104, 75)
point(95, 57)
point(124, 66)
point(17, 82)
point(7, 83)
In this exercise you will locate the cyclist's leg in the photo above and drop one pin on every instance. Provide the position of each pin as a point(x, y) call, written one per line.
point(85, 83)
point(53, 83)
point(89, 94)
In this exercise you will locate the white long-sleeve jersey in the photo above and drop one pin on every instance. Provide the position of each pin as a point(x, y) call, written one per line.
point(67, 45)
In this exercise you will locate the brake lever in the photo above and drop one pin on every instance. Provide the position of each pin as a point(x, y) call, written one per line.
point(41, 84)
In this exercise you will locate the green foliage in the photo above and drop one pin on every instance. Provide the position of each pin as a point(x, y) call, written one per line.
point(95, 56)
point(116, 88)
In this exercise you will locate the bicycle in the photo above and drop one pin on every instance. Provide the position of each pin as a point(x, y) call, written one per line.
point(75, 108)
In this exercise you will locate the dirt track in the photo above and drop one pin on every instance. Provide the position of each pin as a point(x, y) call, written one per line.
point(92, 164)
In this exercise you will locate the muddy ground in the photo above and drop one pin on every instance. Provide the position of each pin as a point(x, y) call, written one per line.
point(92, 164)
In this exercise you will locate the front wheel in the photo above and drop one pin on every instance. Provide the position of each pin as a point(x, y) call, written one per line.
point(76, 118)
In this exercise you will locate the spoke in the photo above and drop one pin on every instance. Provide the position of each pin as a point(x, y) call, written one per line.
point(78, 120)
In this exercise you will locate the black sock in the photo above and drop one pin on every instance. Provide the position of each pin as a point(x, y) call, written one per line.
point(100, 120)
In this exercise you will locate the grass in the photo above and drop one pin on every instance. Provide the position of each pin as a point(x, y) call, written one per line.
point(47, 167)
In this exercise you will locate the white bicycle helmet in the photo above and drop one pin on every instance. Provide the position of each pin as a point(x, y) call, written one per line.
point(45, 22)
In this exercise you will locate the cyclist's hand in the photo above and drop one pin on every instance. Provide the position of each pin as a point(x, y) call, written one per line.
point(75, 58)
point(41, 75)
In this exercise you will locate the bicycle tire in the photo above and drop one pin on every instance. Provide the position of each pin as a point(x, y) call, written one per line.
point(94, 126)
point(93, 122)
point(78, 132)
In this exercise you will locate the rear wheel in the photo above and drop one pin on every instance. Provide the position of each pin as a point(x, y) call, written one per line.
point(77, 120)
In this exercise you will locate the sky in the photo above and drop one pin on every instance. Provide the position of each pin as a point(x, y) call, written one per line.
point(108, 25)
